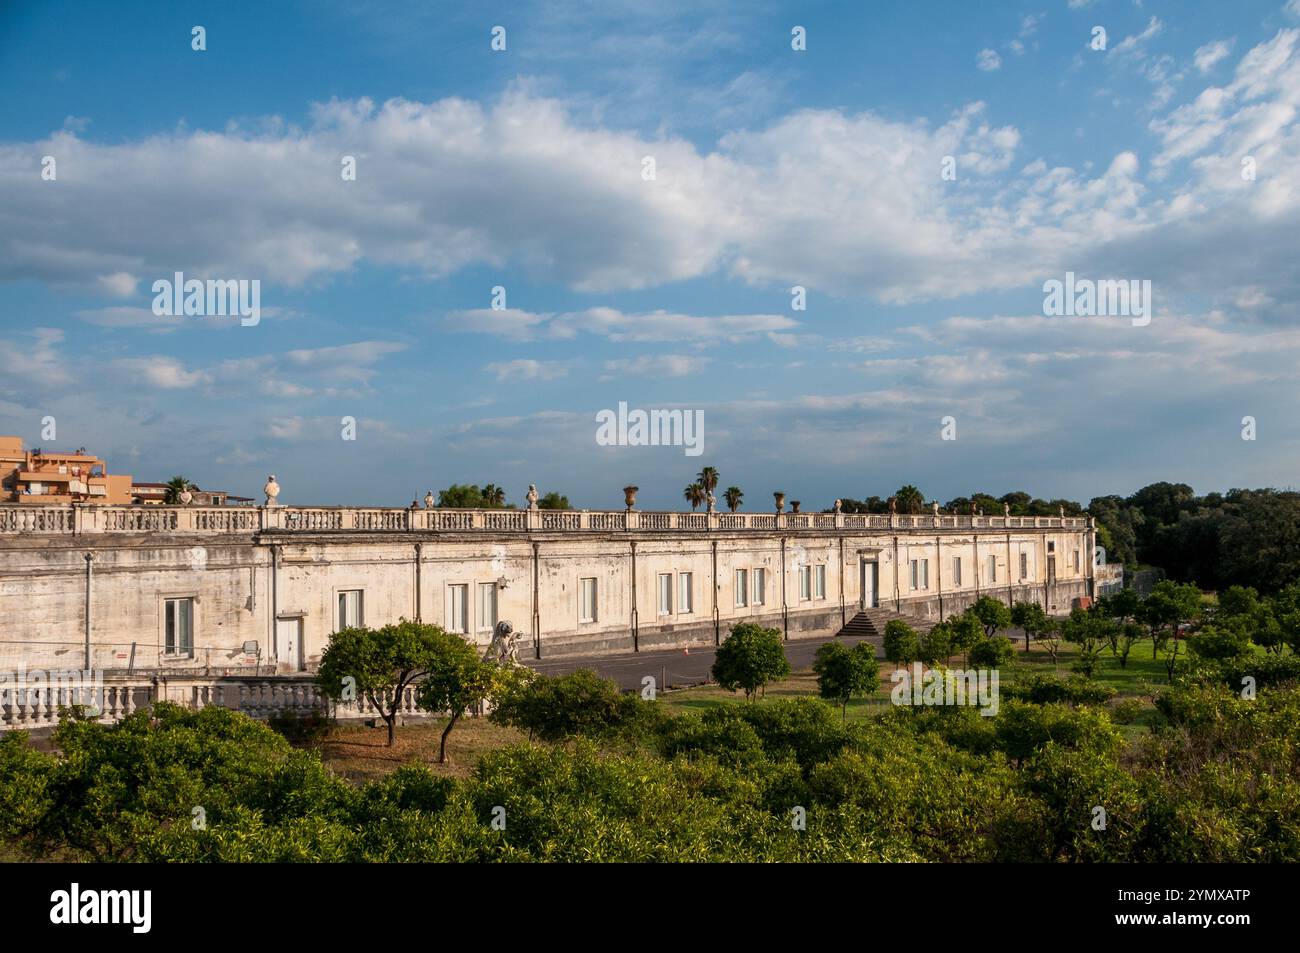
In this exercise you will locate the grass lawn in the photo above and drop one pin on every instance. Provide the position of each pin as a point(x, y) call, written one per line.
point(1141, 678)
point(358, 753)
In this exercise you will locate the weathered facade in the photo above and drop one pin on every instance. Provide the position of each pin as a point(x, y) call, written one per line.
point(220, 590)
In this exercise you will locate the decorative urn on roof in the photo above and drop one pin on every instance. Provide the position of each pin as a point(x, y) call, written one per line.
point(532, 496)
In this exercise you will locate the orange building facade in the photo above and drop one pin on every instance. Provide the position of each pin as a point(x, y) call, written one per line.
point(48, 476)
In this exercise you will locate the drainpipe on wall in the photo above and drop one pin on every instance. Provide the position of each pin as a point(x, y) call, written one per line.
point(898, 604)
point(713, 580)
point(785, 614)
point(843, 618)
point(275, 599)
point(636, 636)
point(1011, 595)
point(1047, 583)
point(938, 572)
point(537, 626)
point(90, 560)
point(419, 549)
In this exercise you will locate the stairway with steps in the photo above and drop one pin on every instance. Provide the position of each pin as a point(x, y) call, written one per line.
point(870, 623)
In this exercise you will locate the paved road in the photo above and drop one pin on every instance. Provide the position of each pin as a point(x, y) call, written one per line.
point(672, 668)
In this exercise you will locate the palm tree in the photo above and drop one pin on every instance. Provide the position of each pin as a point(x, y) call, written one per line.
point(734, 495)
point(708, 478)
point(175, 487)
point(910, 499)
point(493, 496)
point(694, 495)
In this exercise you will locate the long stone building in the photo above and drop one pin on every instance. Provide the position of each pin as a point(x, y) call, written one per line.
point(222, 591)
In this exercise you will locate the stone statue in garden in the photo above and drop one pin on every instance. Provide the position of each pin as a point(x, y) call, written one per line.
point(503, 650)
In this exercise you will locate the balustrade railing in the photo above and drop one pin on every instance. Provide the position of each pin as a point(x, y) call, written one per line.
point(29, 708)
point(85, 519)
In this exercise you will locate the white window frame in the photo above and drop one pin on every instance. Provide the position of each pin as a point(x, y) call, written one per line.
point(993, 569)
point(685, 593)
point(759, 596)
point(664, 588)
point(458, 593)
point(583, 616)
point(956, 571)
point(741, 585)
point(485, 621)
point(819, 581)
point(805, 583)
point(342, 596)
point(171, 614)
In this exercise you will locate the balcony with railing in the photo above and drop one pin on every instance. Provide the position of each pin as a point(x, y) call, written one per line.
point(85, 520)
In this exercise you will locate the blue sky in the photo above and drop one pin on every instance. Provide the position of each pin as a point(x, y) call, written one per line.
point(774, 168)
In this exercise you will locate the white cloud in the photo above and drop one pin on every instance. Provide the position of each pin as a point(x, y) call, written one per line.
point(528, 369)
point(656, 365)
point(1211, 53)
point(988, 60)
point(163, 372)
point(37, 364)
point(616, 325)
point(849, 203)
point(118, 285)
point(129, 317)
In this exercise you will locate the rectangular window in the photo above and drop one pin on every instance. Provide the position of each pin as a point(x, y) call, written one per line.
point(587, 602)
point(685, 592)
point(760, 586)
point(350, 609)
point(956, 571)
point(665, 593)
point(458, 608)
point(487, 606)
point(1024, 565)
point(179, 626)
point(742, 588)
point(805, 582)
point(819, 580)
point(993, 569)
point(1076, 560)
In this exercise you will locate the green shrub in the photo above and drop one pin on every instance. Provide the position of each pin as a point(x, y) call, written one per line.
point(749, 658)
point(1126, 711)
point(302, 727)
point(992, 652)
point(559, 707)
point(1043, 688)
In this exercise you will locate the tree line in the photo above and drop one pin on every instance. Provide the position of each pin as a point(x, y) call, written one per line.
point(607, 776)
